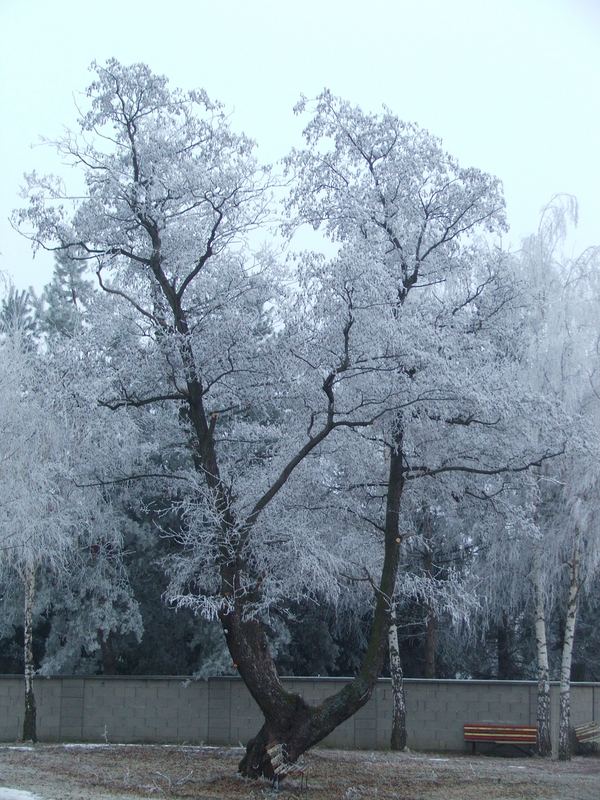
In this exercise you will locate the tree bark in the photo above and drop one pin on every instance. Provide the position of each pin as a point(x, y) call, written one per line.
point(544, 743)
point(29, 718)
point(289, 720)
point(398, 738)
point(564, 726)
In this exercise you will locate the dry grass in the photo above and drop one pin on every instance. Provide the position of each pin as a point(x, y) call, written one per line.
point(126, 772)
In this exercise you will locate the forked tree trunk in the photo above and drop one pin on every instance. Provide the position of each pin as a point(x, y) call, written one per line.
point(564, 725)
point(398, 738)
point(544, 742)
point(289, 720)
point(29, 718)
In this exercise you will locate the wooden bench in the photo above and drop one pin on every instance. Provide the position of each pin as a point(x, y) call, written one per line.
point(588, 733)
point(520, 736)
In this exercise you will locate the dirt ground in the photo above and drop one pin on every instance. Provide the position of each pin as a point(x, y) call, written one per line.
point(130, 772)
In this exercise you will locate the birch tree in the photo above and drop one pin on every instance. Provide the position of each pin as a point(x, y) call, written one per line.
point(565, 337)
point(552, 514)
point(398, 737)
point(36, 517)
point(45, 452)
point(260, 431)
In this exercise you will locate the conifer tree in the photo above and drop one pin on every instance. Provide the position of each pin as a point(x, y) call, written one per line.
point(63, 301)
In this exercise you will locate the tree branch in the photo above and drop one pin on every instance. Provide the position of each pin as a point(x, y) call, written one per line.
point(422, 471)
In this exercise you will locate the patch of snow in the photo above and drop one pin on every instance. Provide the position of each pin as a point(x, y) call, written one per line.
point(89, 746)
point(102, 745)
point(18, 747)
point(6, 793)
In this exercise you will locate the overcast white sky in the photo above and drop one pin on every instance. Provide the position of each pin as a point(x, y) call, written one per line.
point(511, 86)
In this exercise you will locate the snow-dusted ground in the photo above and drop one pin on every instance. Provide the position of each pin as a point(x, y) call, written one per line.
point(17, 794)
point(133, 772)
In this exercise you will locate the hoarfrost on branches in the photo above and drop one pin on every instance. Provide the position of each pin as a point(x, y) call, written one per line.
point(290, 419)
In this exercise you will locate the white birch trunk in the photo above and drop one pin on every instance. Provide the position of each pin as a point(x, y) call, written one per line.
point(398, 740)
point(564, 732)
point(544, 742)
point(29, 719)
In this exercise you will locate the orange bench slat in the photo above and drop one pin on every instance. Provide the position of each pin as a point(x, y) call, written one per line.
point(501, 733)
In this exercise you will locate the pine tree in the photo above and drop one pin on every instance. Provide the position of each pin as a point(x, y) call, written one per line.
point(60, 307)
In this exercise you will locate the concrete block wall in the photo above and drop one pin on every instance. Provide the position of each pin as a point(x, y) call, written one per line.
point(220, 711)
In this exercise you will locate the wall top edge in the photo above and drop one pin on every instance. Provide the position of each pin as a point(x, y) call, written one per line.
point(289, 678)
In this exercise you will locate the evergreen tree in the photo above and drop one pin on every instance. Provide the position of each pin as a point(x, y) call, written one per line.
point(17, 315)
point(60, 307)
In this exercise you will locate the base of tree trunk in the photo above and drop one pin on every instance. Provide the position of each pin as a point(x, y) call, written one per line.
point(564, 728)
point(289, 737)
point(256, 762)
point(398, 738)
point(295, 735)
point(544, 741)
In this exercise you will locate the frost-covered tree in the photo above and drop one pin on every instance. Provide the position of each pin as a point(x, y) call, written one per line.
point(40, 511)
point(399, 207)
point(554, 544)
point(383, 365)
point(16, 315)
point(33, 527)
point(564, 353)
point(52, 504)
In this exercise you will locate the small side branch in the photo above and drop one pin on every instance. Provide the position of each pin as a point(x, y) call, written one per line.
point(138, 402)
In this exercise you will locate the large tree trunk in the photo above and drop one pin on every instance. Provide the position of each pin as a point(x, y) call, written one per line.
point(398, 738)
point(544, 743)
point(289, 720)
point(29, 719)
point(564, 725)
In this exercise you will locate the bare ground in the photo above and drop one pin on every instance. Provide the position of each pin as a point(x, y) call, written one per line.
point(130, 772)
